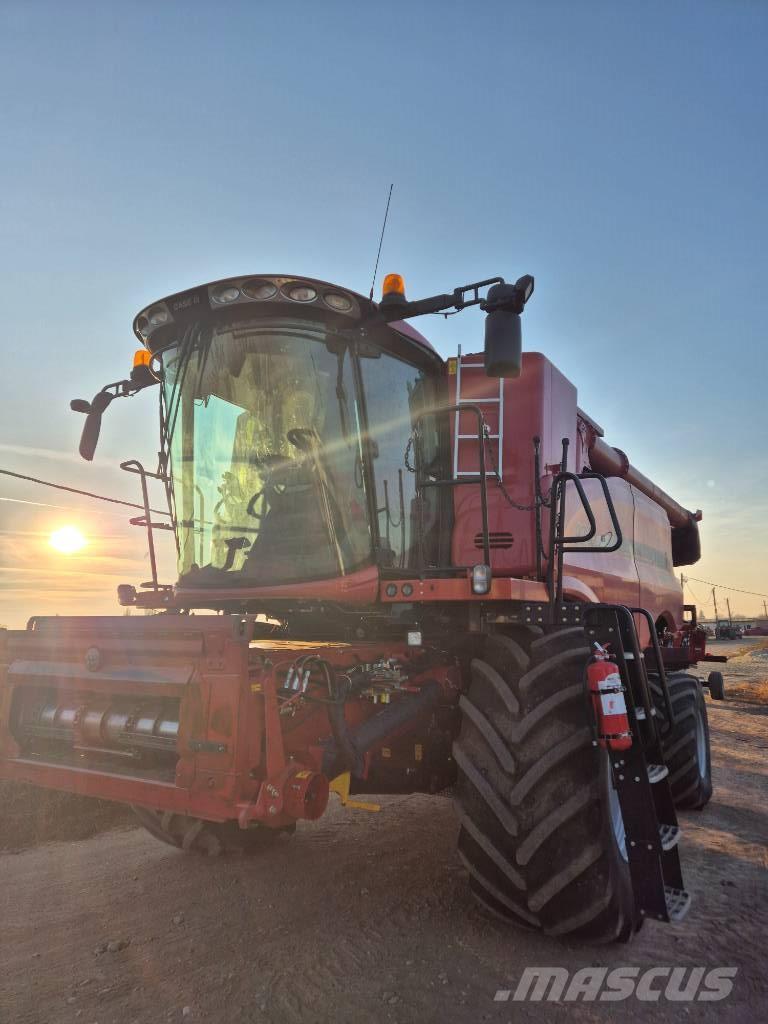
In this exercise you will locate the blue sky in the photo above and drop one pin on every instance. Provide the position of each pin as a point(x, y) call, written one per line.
point(617, 151)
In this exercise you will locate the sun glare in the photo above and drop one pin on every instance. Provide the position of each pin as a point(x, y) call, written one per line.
point(67, 540)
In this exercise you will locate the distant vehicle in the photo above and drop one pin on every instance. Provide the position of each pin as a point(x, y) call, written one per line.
point(728, 631)
point(756, 631)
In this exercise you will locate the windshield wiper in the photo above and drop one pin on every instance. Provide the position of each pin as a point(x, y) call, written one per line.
point(341, 395)
point(308, 441)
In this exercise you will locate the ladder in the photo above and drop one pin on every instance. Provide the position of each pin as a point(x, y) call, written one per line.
point(458, 437)
point(640, 777)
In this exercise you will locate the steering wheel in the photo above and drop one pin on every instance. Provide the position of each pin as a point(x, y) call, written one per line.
point(251, 506)
point(272, 489)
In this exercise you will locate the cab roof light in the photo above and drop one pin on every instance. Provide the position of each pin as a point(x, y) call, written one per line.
point(259, 289)
point(393, 290)
point(337, 301)
point(141, 372)
point(158, 316)
point(300, 292)
point(226, 293)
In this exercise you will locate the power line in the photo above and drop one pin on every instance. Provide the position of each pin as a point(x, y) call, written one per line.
point(161, 512)
point(88, 494)
point(696, 597)
point(60, 508)
point(722, 586)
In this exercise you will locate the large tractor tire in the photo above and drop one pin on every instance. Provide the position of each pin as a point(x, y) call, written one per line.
point(686, 747)
point(193, 835)
point(716, 685)
point(542, 835)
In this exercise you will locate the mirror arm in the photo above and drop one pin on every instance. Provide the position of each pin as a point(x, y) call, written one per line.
point(118, 389)
point(94, 410)
point(511, 298)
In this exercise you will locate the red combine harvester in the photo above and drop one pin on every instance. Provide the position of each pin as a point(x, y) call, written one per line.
point(424, 574)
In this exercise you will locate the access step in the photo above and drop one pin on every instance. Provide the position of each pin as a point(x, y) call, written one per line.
point(657, 772)
point(678, 903)
point(669, 835)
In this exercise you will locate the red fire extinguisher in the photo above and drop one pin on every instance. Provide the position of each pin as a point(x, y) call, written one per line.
point(608, 701)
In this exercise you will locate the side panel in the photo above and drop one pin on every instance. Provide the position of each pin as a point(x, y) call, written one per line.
point(612, 576)
point(540, 403)
point(660, 590)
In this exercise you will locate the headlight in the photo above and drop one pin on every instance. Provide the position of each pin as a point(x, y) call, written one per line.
point(481, 579)
point(158, 316)
point(226, 294)
point(301, 292)
point(259, 289)
point(338, 302)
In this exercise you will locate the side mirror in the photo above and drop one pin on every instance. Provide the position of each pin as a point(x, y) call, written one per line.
point(503, 344)
point(503, 330)
point(92, 427)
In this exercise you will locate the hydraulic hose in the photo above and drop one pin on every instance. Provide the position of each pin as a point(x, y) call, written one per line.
point(342, 738)
point(376, 728)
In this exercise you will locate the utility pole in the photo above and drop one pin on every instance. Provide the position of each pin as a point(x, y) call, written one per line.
point(730, 617)
point(714, 601)
point(765, 610)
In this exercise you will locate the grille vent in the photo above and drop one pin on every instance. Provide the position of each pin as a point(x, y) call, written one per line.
point(500, 540)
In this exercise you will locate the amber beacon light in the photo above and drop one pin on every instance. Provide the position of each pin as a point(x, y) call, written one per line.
point(393, 289)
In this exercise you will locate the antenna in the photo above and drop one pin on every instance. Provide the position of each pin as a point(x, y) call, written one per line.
point(381, 240)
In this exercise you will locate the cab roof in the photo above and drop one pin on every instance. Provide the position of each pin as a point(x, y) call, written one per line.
point(157, 324)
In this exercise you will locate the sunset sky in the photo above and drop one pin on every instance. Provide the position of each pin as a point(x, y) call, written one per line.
point(617, 151)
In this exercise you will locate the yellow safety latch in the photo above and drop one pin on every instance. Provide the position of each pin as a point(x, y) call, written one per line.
point(340, 785)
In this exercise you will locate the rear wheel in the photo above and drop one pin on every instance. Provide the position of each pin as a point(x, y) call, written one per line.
point(194, 835)
point(542, 834)
point(686, 747)
point(716, 685)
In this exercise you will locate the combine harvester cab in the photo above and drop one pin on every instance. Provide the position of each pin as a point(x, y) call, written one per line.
point(395, 574)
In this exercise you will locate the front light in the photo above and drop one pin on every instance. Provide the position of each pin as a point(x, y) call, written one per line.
point(227, 294)
point(339, 302)
point(158, 316)
point(301, 293)
point(481, 579)
point(259, 289)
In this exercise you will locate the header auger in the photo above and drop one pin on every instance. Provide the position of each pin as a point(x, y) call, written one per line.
point(428, 574)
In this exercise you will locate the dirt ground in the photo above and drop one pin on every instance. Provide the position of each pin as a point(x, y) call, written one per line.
point(365, 917)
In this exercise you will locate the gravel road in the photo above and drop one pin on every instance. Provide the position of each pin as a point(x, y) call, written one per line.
point(366, 917)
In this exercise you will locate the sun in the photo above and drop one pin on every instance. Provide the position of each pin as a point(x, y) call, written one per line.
point(67, 540)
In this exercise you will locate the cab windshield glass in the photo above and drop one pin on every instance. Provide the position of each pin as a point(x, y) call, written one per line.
point(266, 455)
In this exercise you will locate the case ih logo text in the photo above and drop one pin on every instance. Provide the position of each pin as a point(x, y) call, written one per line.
point(185, 303)
point(590, 984)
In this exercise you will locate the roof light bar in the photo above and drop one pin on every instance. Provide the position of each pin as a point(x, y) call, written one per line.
point(246, 291)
